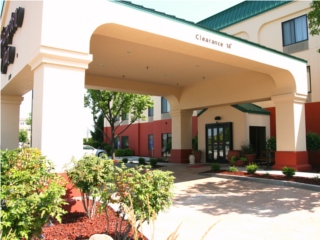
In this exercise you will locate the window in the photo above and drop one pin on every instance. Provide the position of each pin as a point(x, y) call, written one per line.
point(116, 143)
point(165, 106)
point(150, 111)
point(309, 79)
point(150, 141)
point(166, 144)
point(295, 30)
point(124, 142)
point(124, 116)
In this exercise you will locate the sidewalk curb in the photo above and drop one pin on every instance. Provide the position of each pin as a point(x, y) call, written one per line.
point(266, 181)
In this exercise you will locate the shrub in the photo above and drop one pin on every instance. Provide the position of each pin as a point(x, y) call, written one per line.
point(30, 193)
point(142, 161)
point(91, 174)
point(141, 195)
point(153, 162)
point(251, 168)
point(288, 171)
point(123, 152)
point(243, 159)
point(233, 169)
point(128, 152)
point(313, 141)
point(272, 143)
point(246, 148)
point(233, 159)
point(125, 160)
point(215, 167)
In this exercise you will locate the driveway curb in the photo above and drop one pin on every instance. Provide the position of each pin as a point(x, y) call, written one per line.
point(266, 181)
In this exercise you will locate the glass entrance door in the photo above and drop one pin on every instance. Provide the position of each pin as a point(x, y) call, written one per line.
point(218, 141)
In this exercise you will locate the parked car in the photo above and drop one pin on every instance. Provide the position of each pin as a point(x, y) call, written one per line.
point(87, 149)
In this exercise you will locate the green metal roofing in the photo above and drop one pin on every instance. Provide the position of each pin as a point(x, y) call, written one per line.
point(153, 11)
point(251, 108)
point(239, 12)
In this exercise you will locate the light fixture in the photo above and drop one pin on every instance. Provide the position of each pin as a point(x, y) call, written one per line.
point(217, 118)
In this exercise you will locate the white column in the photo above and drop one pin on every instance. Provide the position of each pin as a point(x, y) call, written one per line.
point(58, 103)
point(10, 112)
point(291, 132)
point(181, 135)
point(290, 122)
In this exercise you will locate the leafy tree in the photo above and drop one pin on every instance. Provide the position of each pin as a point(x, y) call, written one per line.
point(23, 135)
point(97, 135)
point(314, 18)
point(29, 120)
point(113, 105)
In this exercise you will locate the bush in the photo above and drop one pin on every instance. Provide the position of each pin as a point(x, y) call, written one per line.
point(272, 143)
point(123, 152)
point(233, 159)
point(215, 167)
point(251, 168)
point(91, 174)
point(288, 171)
point(313, 141)
point(243, 159)
point(153, 162)
point(142, 161)
point(233, 169)
point(141, 194)
point(125, 160)
point(30, 193)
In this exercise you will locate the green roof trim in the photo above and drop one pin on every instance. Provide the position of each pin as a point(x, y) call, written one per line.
point(251, 108)
point(152, 11)
point(201, 112)
point(240, 12)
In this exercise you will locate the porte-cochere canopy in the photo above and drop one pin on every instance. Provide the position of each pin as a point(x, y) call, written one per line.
point(123, 47)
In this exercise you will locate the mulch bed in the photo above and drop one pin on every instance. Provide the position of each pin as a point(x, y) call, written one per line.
point(77, 226)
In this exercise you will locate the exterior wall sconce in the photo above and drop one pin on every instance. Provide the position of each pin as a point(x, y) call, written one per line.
point(217, 118)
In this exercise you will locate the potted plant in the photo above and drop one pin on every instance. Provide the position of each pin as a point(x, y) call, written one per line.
point(313, 147)
point(196, 152)
point(191, 158)
point(238, 161)
point(248, 152)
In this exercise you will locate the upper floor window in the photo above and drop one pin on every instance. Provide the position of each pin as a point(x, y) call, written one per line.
point(124, 116)
point(295, 30)
point(165, 106)
point(150, 111)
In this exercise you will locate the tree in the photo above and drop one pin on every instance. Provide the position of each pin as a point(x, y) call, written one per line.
point(97, 135)
point(29, 120)
point(314, 18)
point(23, 136)
point(115, 106)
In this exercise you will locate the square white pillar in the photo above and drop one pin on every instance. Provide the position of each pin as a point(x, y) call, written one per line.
point(290, 122)
point(58, 103)
point(10, 112)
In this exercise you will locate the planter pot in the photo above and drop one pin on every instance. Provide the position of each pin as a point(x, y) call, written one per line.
point(232, 153)
point(191, 159)
point(314, 158)
point(240, 163)
point(197, 155)
point(250, 158)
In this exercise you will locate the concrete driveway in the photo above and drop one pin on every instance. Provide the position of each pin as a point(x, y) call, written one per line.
point(234, 209)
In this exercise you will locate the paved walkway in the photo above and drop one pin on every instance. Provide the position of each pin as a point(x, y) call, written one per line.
point(236, 209)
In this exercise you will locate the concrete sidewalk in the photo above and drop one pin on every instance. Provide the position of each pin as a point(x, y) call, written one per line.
point(236, 209)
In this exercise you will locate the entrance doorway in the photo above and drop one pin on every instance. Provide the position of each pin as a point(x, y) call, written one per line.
point(218, 142)
point(258, 139)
